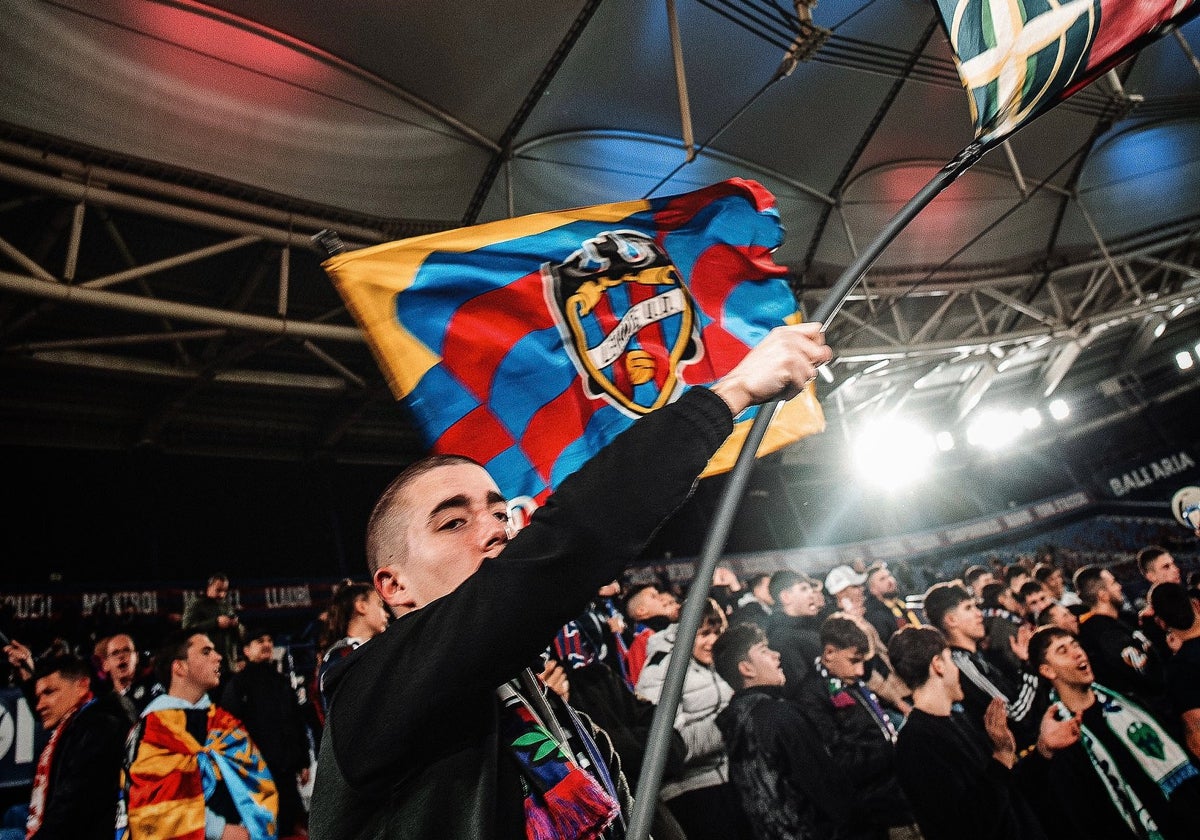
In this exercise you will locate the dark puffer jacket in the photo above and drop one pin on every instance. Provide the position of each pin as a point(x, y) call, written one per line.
point(786, 782)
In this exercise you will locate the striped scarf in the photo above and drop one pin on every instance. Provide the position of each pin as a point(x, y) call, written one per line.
point(1159, 756)
point(561, 798)
point(171, 776)
point(844, 694)
point(41, 779)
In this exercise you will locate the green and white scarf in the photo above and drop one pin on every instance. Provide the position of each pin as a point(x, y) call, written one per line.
point(1159, 756)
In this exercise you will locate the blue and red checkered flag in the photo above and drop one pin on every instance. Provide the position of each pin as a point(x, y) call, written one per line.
point(1019, 58)
point(529, 343)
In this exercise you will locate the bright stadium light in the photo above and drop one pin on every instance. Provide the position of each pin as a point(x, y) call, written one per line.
point(1031, 418)
point(945, 441)
point(893, 454)
point(1184, 359)
point(1059, 409)
point(994, 429)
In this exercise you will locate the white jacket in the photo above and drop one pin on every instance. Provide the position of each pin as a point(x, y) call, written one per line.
point(704, 696)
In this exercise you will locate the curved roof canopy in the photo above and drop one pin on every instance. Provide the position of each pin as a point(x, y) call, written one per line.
point(164, 162)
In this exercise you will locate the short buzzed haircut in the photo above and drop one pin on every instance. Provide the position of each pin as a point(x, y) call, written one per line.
point(911, 649)
point(1147, 556)
point(732, 648)
point(66, 665)
point(217, 577)
point(1043, 571)
point(941, 599)
point(786, 579)
point(385, 543)
point(1172, 605)
point(842, 633)
point(1087, 583)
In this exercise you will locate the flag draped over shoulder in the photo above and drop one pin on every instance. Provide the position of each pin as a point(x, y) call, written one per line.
point(1019, 58)
point(529, 343)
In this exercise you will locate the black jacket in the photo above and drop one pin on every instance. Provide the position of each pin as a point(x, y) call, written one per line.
point(81, 800)
point(1124, 660)
point(955, 786)
point(1072, 801)
point(798, 643)
point(1028, 697)
point(863, 754)
point(410, 747)
point(264, 701)
point(779, 764)
point(881, 618)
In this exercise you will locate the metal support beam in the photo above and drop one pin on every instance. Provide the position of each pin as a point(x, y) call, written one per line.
point(1087, 217)
point(114, 340)
point(333, 363)
point(869, 327)
point(685, 106)
point(135, 204)
point(16, 255)
point(1020, 306)
point(1016, 169)
point(72, 260)
point(170, 262)
point(1187, 50)
point(935, 319)
point(285, 263)
point(183, 311)
point(79, 171)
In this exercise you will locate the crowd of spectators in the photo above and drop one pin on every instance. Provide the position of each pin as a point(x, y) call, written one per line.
point(1001, 700)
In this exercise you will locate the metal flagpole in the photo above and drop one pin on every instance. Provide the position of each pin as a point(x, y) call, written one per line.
point(659, 740)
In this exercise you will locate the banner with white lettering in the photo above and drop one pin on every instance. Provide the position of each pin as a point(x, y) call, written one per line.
point(248, 600)
point(1155, 477)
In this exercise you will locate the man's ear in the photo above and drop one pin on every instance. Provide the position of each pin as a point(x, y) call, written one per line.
point(1046, 672)
point(394, 589)
point(938, 666)
point(746, 669)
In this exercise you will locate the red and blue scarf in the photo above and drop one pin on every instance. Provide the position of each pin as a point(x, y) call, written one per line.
point(561, 798)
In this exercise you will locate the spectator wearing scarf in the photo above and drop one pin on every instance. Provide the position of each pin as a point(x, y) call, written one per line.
point(75, 784)
point(1126, 777)
point(860, 735)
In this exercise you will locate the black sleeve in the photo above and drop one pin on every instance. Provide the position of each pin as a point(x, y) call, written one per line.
point(948, 789)
point(1183, 685)
point(431, 666)
point(85, 779)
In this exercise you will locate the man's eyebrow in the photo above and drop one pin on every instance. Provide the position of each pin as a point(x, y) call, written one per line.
point(461, 501)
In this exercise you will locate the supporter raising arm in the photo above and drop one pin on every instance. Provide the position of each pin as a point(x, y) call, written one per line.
point(417, 741)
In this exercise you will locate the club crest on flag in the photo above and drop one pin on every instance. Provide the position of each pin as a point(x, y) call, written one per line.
point(626, 319)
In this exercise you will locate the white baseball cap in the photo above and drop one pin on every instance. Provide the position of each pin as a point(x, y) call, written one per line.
point(840, 577)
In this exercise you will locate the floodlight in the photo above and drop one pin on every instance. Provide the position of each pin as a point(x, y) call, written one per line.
point(1059, 409)
point(893, 454)
point(1184, 359)
point(945, 441)
point(1178, 309)
point(995, 429)
point(1159, 328)
point(1031, 418)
